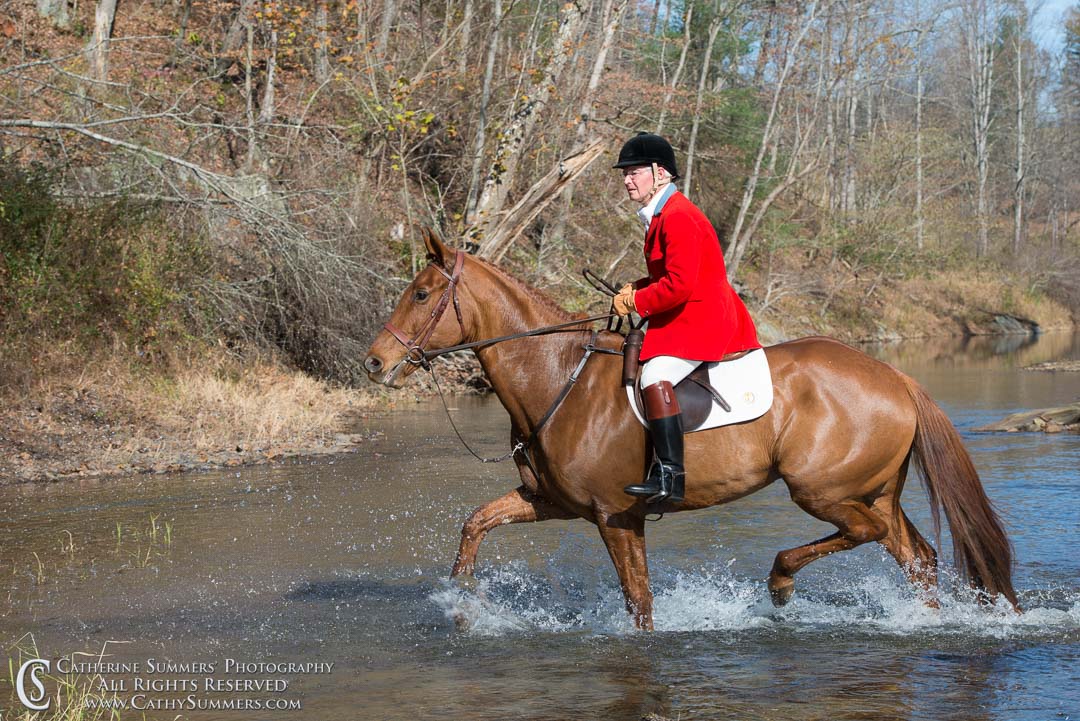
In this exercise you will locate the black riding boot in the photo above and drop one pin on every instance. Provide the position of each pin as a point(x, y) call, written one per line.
point(666, 480)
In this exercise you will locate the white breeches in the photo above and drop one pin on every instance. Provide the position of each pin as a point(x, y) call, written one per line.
point(666, 368)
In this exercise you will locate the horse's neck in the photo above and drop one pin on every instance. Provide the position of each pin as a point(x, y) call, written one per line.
point(525, 373)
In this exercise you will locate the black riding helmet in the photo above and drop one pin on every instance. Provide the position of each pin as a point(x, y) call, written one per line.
point(646, 149)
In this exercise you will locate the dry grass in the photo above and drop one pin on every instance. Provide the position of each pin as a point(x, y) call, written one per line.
point(262, 407)
point(950, 300)
point(107, 416)
point(830, 297)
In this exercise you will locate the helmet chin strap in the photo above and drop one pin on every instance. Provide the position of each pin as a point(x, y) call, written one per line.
point(658, 184)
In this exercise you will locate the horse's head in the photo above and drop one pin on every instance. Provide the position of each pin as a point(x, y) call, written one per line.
point(427, 317)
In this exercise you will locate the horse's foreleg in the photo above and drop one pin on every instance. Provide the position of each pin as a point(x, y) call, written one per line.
point(518, 506)
point(624, 537)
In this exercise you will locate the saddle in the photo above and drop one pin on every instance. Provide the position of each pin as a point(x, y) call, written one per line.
point(743, 375)
point(695, 393)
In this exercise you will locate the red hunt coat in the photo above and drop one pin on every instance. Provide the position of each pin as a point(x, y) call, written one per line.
point(693, 311)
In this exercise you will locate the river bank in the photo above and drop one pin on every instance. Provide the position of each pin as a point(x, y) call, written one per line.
point(106, 418)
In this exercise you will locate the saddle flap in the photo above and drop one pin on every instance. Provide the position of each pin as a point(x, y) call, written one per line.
point(734, 390)
point(695, 400)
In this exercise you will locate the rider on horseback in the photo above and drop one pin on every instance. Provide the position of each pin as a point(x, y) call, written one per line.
point(693, 313)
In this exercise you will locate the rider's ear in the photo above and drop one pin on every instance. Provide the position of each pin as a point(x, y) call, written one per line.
point(438, 251)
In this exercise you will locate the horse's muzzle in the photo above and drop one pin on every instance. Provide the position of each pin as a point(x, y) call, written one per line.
point(378, 373)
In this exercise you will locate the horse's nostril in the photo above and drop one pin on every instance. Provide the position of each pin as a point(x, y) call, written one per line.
point(373, 364)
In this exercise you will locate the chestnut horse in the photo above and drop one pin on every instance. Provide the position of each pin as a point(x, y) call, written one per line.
point(841, 433)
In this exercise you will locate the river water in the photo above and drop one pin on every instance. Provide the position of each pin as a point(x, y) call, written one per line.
point(343, 561)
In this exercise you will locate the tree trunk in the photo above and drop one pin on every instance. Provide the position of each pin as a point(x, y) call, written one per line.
point(519, 128)
point(236, 36)
point(738, 242)
point(56, 11)
point(98, 49)
point(253, 154)
point(977, 33)
point(386, 23)
point(654, 16)
point(465, 40)
point(850, 60)
point(765, 47)
point(1021, 96)
point(611, 17)
point(514, 222)
point(485, 100)
point(266, 108)
point(706, 61)
point(181, 35)
point(919, 238)
point(322, 51)
point(669, 92)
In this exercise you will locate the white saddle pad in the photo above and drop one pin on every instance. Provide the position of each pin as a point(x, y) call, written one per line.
point(745, 383)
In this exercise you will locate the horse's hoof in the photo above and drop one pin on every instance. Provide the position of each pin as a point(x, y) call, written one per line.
point(461, 621)
point(930, 601)
point(781, 591)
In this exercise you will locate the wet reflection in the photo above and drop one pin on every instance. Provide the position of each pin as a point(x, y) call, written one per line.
point(1005, 351)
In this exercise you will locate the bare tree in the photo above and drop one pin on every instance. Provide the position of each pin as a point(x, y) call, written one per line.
point(799, 26)
point(485, 100)
point(611, 15)
point(322, 46)
point(1021, 49)
point(714, 29)
point(56, 11)
point(386, 23)
point(920, 31)
point(519, 127)
point(97, 51)
point(669, 91)
point(978, 25)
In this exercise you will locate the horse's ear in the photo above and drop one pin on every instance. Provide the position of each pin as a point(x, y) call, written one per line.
point(438, 251)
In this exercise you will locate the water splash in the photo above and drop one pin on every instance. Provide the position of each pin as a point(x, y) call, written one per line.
point(513, 599)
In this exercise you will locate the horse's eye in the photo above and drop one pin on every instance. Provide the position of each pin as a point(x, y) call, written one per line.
point(420, 296)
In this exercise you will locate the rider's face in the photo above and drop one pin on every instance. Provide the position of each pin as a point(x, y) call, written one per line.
point(638, 181)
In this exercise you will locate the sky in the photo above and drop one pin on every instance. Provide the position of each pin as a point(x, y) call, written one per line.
point(1050, 21)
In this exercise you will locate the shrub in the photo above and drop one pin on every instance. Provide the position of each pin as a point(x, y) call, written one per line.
point(108, 269)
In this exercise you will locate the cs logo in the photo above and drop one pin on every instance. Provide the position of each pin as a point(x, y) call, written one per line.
point(34, 700)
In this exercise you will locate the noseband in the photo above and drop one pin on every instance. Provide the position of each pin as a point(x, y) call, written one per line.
point(414, 347)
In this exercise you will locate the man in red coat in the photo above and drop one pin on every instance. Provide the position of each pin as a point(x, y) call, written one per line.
point(693, 313)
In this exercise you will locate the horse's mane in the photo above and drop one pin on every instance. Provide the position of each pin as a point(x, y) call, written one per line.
point(531, 291)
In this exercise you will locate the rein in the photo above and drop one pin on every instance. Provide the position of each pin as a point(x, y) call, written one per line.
point(416, 354)
point(523, 446)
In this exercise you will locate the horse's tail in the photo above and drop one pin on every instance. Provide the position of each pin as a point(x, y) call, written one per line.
point(981, 550)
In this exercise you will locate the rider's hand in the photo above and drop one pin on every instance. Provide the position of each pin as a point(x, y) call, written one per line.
point(623, 303)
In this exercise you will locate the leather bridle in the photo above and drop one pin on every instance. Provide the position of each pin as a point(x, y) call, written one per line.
point(415, 353)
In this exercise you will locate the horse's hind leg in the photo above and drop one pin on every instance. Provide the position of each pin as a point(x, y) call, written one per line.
point(518, 506)
point(912, 552)
point(857, 524)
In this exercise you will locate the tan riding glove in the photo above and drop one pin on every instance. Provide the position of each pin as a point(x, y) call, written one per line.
point(623, 303)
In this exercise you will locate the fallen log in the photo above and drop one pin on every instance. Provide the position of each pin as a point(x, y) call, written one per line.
point(495, 235)
point(1072, 366)
point(1047, 420)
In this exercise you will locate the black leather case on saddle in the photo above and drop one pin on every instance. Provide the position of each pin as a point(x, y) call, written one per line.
point(631, 350)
